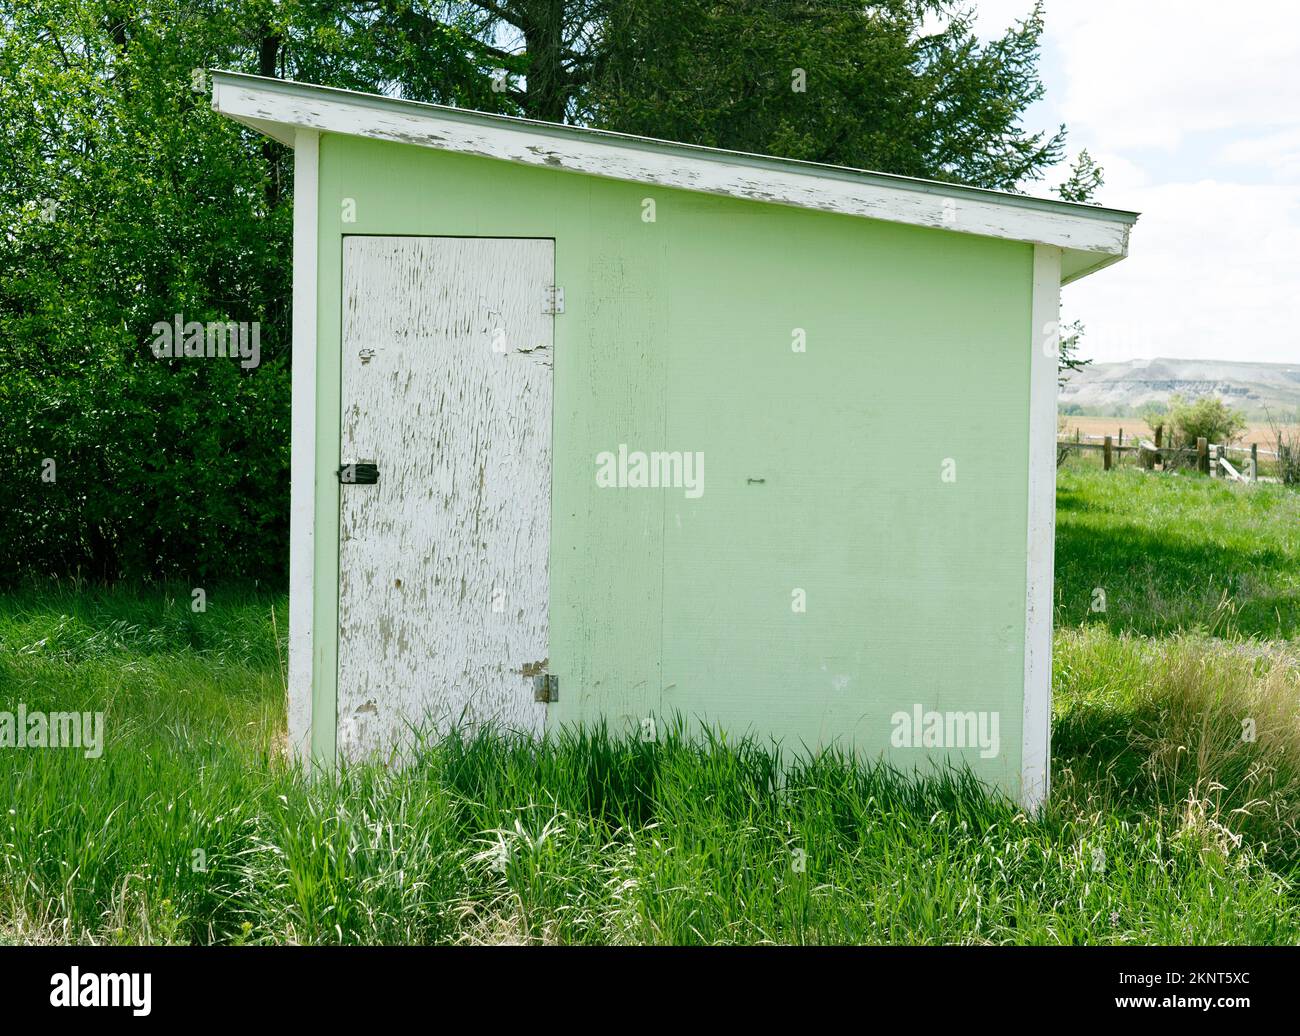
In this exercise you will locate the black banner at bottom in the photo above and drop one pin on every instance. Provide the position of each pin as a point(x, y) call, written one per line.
point(302, 984)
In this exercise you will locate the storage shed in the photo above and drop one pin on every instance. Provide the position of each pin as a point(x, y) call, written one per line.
point(590, 427)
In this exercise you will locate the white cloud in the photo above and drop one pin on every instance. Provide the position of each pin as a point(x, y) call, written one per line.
point(1212, 274)
point(1145, 75)
point(1193, 108)
point(1277, 154)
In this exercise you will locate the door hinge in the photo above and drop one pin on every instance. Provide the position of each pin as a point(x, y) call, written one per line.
point(553, 300)
point(546, 687)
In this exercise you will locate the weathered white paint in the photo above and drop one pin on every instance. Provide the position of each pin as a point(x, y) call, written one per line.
point(302, 464)
point(1232, 472)
point(443, 582)
point(1044, 349)
point(1090, 237)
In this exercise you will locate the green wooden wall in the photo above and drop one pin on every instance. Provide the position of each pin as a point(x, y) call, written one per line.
point(678, 335)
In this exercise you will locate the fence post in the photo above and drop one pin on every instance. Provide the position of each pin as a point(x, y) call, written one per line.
point(1121, 436)
point(1254, 462)
point(1105, 459)
point(1202, 455)
point(1214, 461)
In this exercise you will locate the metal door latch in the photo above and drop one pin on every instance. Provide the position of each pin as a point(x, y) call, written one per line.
point(360, 473)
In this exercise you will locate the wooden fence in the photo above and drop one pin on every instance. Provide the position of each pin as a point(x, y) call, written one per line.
point(1207, 457)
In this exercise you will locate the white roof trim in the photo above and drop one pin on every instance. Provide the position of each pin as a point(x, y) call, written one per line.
point(1090, 237)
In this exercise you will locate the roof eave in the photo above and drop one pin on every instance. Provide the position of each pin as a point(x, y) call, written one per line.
point(1090, 237)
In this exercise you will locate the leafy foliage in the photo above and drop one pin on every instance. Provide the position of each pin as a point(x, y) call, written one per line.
point(1068, 360)
point(1085, 180)
point(125, 200)
point(1207, 417)
point(901, 86)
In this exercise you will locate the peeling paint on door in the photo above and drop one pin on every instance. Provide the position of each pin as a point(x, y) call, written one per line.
point(446, 387)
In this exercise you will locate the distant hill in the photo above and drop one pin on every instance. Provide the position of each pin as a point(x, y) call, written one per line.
point(1123, 388)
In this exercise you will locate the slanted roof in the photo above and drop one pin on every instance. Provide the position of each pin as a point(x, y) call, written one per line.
point(1090, 236)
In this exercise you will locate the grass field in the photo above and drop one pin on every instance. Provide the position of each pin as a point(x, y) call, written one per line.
point(1165, 826)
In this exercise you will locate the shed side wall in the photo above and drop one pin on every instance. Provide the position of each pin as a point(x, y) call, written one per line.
point(823, 469)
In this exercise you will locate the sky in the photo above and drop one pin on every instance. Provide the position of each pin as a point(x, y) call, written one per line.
point(1193, 109)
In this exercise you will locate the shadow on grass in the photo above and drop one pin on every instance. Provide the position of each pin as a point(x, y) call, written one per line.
point(75, 622)
point(1168, 581)
point(1095, 742)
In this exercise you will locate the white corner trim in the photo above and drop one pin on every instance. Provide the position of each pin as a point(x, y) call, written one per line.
point(302, 474)
point(1044, 344)
point(1091, 237)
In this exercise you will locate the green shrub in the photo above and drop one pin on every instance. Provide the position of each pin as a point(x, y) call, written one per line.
point(129, 201)
point(1207, 417)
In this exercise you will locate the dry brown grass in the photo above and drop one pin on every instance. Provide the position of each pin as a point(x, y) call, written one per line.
point(1225, 742)
point(1134, 428)
point(1202, 730)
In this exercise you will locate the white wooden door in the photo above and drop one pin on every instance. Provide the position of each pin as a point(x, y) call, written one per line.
point(446, 387)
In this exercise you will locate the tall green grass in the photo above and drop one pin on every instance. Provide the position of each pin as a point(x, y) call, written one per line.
point(1177, 551)
point(1165, 824)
